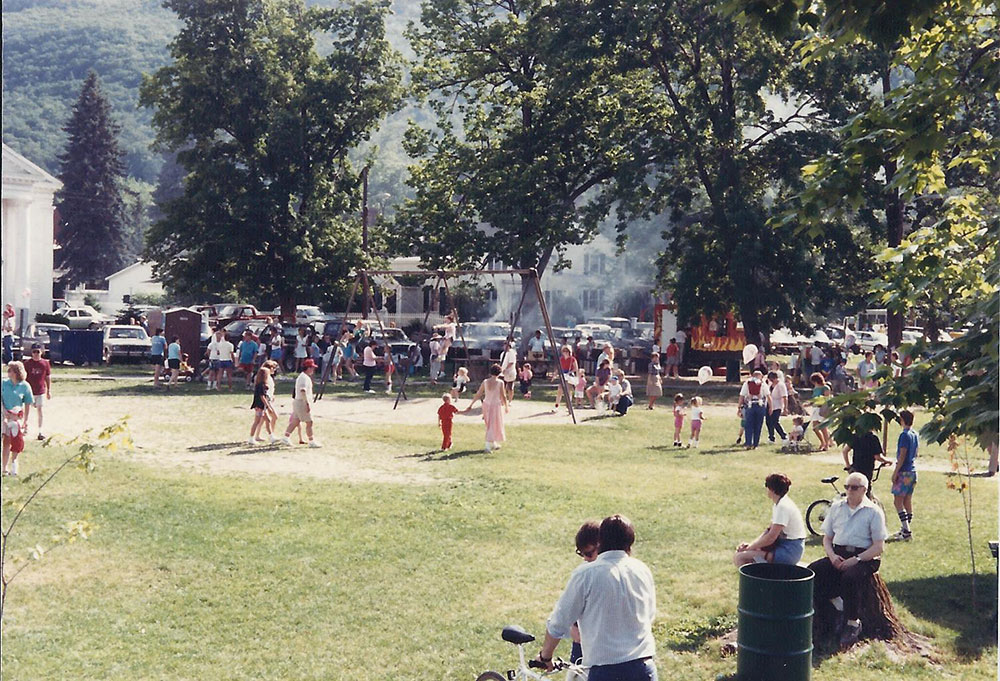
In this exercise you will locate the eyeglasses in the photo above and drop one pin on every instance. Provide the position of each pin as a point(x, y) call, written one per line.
point(854, 486)
point(590, 553)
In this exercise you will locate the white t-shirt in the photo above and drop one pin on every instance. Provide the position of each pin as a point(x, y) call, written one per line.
point(815, 355)
point(681, 338)
point(696, 413)
point(786, 513)
point(369, 357)
point(300, 346)
point(779, 396)
point(435, 348)
point(304, 384)
point(508, 365)
point(536, 344)
point(220, 350)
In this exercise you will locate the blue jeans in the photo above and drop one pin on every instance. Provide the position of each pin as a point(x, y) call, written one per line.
point(755, 422)
point(634, 670)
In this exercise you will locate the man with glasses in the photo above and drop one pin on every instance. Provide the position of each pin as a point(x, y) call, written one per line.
point(613, 600)
point(587, 538)
point(854, 534)
point(40, 379)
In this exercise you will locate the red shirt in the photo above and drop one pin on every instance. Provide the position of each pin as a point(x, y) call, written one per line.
point(38, 370)
point(446, 412)
point(673, 349)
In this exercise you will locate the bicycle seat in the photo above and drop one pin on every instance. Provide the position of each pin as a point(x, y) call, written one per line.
point(832, 478)
point(516, 635)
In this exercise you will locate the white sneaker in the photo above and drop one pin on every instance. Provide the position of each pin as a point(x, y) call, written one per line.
point(315, 445)
point(251, 442)
point(489, 446)
point(286, 441)
point(370, 392)
point(274, 439)
point(208, 386)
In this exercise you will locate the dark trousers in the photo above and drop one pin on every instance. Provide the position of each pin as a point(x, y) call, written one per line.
point(773, 424)
point(755, 423)
point(369, 372)
point(633, 670)
point(831, 582)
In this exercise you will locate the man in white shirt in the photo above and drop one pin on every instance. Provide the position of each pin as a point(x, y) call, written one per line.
point(220, 360)
point(369, 362)
point(779, 402)
point(508, 368)
point(815, 357)
point(435, 358)
point(536, 347)
point(301, 403)
point(681, 343)
point(613, 601)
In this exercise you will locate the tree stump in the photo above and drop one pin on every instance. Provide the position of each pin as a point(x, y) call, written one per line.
point(876, 612)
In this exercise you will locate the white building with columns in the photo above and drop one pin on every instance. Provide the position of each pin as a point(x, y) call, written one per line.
point(28, 245)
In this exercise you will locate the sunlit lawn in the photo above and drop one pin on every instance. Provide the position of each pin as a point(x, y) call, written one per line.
point(198, 576)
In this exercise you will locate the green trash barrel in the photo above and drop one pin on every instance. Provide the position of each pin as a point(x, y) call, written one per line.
point(774, 640)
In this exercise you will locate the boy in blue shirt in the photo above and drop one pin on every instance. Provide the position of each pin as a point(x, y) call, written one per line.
point(904, 477)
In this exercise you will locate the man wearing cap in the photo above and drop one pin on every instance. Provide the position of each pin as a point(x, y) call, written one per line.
point(40, 379)
point(613, 601)
point(301, 404)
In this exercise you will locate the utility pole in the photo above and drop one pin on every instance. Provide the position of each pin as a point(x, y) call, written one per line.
point(364, 209)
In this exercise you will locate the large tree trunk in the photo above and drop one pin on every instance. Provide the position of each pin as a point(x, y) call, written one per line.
point(893, 223)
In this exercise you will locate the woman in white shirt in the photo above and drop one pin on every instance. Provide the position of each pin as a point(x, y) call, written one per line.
point(784, 539)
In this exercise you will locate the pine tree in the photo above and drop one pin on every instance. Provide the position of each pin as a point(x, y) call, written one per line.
point(91, 204)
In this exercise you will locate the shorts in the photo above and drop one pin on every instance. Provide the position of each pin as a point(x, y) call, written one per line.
point(246, 368)
point(39, 401)
point(673, 361)
point(578, 394)
point(905, 482)
point(276, 353)
point(214, 365)
point(156, 360)
point(226, 364)
point(300, 410)
point(300, 353)
point(174, 363)
point(789, 551)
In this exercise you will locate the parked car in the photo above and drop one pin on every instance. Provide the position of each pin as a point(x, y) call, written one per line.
point(84, 317)
point(304, 314)
point(39, 333)
point(234, 330)
point(398, 343)
point(228, 313)
point(211, 312)
point(483, 339)
point(125, 342)
point(867, 340)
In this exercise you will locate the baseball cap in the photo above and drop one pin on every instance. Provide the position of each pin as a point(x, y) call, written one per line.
point(309, 364)
point(37, 346)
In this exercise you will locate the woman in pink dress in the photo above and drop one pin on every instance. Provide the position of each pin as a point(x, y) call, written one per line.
point(495, 405)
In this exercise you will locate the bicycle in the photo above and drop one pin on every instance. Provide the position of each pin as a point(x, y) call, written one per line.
point(816, 513)
point(520, 638)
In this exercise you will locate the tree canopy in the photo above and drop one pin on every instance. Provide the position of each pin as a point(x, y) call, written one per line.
point(90, 202)
point(263, 126)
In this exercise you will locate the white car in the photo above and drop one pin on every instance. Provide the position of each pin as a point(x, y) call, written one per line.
point(304, 314)
point(867, 340)
point(125, 342)
point(84, 317)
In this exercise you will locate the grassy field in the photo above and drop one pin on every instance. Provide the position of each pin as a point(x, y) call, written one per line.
point(195, 574)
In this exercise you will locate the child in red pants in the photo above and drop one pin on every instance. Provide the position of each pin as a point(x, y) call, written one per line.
point(446, 412)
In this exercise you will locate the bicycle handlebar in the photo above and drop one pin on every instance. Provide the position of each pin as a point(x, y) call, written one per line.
point(535, 664)
point(558, 664)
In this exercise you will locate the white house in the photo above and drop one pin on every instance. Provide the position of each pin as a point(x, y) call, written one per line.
point(28, 245)
point(133, 280)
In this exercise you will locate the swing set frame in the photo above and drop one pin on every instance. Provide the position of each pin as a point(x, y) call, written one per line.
point(362, 280)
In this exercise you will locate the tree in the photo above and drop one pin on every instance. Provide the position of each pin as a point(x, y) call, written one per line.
point(262, 125)
point(937, 128)
point(530, 130)
point(90, 203)
point(729, 153)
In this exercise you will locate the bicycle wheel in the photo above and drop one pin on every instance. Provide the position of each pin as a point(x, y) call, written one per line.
point(815, 516)
point(490, 676)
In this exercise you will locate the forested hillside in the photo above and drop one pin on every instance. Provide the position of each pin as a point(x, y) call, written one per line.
point(49, 45)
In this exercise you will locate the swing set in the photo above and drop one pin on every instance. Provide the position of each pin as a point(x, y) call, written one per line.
point(363, 281)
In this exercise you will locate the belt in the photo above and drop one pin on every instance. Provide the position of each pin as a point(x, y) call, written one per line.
point(841, 549)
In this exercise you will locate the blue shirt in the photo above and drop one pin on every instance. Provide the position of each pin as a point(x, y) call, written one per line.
point(908, 439)
point(14, 396)
point(157, 345)
point(174, 351)
point(248, 349)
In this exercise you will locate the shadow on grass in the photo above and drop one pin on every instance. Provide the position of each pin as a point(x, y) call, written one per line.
point(215, 446)
point(947, 600)
point(438, 455)
point(598, 417)
point(255, 449)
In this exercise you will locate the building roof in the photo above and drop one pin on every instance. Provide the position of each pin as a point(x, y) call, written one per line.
point(130, 268)
point(20, 172)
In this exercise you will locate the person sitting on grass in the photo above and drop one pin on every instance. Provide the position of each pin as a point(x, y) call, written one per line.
point(784, 540)
point(796, 436)
point(461, 382)
point(624, 399)
point(601, 380)
point(854, 535)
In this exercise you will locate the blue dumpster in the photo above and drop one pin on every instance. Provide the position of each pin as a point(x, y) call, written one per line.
point(78, 347)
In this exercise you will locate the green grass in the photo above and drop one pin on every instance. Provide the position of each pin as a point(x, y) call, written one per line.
point(199, 576)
